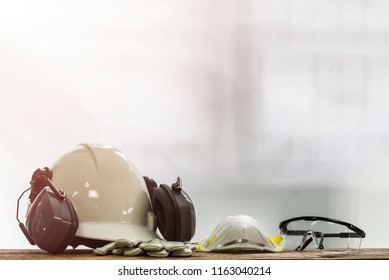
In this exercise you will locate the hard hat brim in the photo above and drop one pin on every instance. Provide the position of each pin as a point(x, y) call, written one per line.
point(115, 231)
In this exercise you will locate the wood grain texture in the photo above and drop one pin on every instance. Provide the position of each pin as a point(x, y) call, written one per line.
point(79, 254)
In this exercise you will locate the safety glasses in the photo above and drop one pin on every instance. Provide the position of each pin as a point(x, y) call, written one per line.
point(320, 232)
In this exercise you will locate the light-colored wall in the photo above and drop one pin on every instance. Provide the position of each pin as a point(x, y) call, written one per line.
point(267, 108)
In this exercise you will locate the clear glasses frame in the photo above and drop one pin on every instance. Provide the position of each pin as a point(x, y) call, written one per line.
point(317, 237)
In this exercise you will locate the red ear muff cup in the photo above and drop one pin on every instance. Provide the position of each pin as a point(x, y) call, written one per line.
point(165, 212)
point(176, 218)
point(186, 215)
point(51, 221)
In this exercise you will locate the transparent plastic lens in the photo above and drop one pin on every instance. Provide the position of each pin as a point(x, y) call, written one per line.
point(315, 233)
point(347, 244)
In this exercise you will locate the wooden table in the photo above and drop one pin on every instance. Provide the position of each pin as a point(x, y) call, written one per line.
point(81, 254)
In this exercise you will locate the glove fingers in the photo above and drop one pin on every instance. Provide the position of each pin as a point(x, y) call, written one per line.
point(115, 247)
point(135, 251)
point(125, 243)
point(154, 248)
point(105, 249)
point(191, 246)
point(118, 251)
point(172, 245)
point(153, 245)
point(186, 252)
point(158, 254)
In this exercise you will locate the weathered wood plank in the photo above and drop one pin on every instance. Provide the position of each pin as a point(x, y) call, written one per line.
point(81, 254)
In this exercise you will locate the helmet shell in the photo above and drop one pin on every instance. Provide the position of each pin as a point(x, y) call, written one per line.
point(108, 194)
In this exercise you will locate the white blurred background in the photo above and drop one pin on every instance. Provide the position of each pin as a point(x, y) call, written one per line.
point(271, 109)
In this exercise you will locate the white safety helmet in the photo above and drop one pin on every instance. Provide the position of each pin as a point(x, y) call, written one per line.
point(239, 233)
point(93, 195)
point(107, 192)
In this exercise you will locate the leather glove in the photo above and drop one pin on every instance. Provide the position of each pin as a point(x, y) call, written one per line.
point(153, 248)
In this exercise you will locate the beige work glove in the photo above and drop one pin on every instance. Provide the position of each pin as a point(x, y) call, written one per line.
point(154, 248)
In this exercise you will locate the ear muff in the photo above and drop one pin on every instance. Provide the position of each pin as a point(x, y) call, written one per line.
point(165, 211)
point(176, 218)
point(51, 221)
